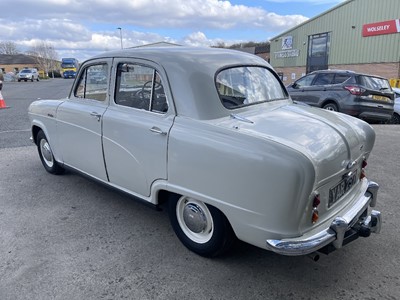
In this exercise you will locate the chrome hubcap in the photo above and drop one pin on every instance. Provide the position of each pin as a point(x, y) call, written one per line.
point(46, 153)
point(195, 219)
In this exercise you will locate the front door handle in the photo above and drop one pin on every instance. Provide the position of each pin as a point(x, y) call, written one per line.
point(157, 130)
point(95, 114)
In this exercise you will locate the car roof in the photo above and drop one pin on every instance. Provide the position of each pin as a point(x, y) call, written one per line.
point(346, 72)
point(191, 74)
point(176, 54)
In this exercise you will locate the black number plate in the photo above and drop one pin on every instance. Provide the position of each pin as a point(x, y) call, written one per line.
point(341, 188)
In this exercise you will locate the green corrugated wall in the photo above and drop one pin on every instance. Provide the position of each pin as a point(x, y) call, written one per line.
point(345, 23)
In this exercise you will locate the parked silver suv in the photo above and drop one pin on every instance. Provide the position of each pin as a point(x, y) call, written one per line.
point(28, 74)
point(360, 95)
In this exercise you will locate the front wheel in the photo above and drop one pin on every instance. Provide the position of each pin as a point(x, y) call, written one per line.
point(46, 155)
point(202, 228)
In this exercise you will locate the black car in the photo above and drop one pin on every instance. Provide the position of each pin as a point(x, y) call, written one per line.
point(360, 95)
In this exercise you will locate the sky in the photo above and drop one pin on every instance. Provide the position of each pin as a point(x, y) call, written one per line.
point(84, 28)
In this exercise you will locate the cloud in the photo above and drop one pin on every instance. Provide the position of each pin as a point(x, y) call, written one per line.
point(154, 13)
point(88, 27)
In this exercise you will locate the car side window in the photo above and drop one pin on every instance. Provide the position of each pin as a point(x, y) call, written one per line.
point(93, 83)
point(305, 81)
point(340, 78)
point(140, 87)
point(324, 78)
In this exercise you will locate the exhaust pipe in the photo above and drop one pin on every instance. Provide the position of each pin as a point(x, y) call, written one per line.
point(314, 256)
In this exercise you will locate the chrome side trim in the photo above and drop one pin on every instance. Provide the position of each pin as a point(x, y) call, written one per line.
point(240, 118)
point(336, 231)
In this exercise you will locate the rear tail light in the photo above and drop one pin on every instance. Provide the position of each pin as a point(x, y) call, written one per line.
point(363, 166)
point(315, 213)
point(355, 90)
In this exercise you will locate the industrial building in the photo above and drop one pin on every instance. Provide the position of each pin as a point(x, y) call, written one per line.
point(357, 35)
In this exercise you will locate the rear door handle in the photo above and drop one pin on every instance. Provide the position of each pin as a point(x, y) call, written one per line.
point(95, 114)
point(157, 130)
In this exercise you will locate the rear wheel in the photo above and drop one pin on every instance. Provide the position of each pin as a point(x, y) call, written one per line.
point(202, 228)
point(330, 106)
point(46, 155)
point(395, 119)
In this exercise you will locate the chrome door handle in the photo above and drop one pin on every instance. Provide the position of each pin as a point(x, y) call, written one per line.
point(157, 130)
point(95, 114)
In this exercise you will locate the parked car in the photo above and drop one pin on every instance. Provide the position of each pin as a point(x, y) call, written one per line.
point(396, 114)
point(28, 74)
point(9, 77)
point(213, 136)
point(360, 95)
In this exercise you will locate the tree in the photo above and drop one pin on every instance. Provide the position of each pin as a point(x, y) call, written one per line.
point(8, 48)
point(46, 57)
point(243, 45)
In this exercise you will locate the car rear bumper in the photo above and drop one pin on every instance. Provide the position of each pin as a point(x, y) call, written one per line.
point(343, 229)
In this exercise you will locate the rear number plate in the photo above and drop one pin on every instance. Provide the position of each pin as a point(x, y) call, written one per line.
point(380, 98)
point(341, 188)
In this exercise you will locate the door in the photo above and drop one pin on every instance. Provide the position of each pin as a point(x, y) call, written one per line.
point(80, 121)
point(136, 126)
point(318, 52)
point(299, 90)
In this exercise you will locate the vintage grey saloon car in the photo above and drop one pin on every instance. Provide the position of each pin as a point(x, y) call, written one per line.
point(212, 135)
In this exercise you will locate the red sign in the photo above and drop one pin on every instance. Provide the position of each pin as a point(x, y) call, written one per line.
point(380, 28)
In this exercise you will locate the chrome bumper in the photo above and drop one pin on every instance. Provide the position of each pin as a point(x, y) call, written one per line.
point(342, 230)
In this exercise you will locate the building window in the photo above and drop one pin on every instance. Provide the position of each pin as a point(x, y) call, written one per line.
point(318, 51)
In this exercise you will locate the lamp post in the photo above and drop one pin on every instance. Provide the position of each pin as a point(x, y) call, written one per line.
point(120, 35)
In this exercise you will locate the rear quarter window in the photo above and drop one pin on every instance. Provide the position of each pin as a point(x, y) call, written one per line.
point(245, 85)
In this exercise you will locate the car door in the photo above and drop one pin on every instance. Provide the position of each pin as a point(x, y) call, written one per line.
point(319, 90)
point(297, 89)
point(79, 118)
point(136, 126)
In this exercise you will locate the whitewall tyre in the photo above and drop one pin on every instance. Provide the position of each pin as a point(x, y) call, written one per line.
point(202, 228)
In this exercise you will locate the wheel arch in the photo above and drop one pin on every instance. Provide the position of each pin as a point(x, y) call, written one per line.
point(38, 126)
point(200, 226)
point(35, 130)
point(330, 101)
point(162, 197)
